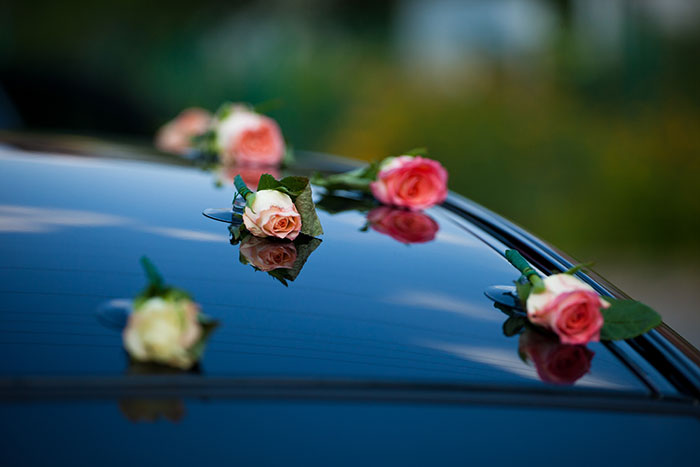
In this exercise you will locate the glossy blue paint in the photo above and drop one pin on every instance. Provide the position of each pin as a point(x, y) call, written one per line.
point(319, 433)
point(365, 305)
point(409, 355)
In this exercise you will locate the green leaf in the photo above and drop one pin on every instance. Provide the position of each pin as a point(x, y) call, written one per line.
point(268, 182)
point(206, 144)
point(354, 180)
point(223, 111)
point(524, 288)
point(174, 294)
point(310, 223)
point(336, 204)
point(514, 325)
point(304, 246)
point(155, 280)
point(237, 232)
point(579, 267)
point(371, 171)
point(625, 319)
point(295, 186)
point(416, 152)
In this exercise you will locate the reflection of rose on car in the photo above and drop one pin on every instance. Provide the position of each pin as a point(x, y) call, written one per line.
point(250, 175)
point(555, 362)
point(153, 409)
point(268, 255)
point(282, 259)
point(403, 225)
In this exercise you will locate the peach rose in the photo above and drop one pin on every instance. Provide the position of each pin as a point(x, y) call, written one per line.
point(569, 307)
point(176, 135)
point(413, 182)
point(273, 214)
point(404, 226)
point(163, 331)
point(247, 138)
point(555, 362)
point(268, 255)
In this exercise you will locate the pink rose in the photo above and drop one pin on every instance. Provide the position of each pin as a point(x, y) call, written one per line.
point(569, 307)
point(176, 135)
point(247, 138)
point(413, 182)
point(273, 214)
point(555, 362)
point(268, 255)
point(404, 226)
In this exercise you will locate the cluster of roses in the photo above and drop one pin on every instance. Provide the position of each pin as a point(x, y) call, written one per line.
point(236, 134)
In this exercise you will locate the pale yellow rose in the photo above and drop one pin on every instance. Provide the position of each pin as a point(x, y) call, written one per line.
point(163, 331)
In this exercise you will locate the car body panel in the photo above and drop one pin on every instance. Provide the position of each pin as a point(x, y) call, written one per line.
point(266, 433)
point(379, 351)
point(365, 306)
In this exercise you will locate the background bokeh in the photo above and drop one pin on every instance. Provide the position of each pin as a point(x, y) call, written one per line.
point(577, 119)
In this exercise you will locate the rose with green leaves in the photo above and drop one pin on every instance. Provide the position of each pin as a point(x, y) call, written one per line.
point(281, 209)
point(165, 325)
point(573, 310)
point(411, 181)
point(163, 331)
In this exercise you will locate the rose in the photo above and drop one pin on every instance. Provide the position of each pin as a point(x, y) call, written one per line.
point(272, 214)
point(176, 135)
point(268, 255)
point(247, 138)
point(410, 181)
point(163, 331)
point(569, 307)
point(555, 362)
point(404, 226)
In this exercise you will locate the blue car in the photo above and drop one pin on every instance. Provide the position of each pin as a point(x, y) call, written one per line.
point(382, 342)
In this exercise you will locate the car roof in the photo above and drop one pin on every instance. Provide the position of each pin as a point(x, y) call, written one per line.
point(365, 305)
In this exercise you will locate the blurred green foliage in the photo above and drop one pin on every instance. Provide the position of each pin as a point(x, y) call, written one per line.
point(594, 146)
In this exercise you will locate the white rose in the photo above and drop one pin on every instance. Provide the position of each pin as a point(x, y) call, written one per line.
point(163, 332)
point(273, 214)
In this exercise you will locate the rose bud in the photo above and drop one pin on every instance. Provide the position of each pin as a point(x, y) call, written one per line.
point(404, 226)
point(176, 136)
point(413, 182)
point(555, 362)
point(272, 214)
point(247, 138)
point(163, 331)
point(569, 307)
point(268, 255)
